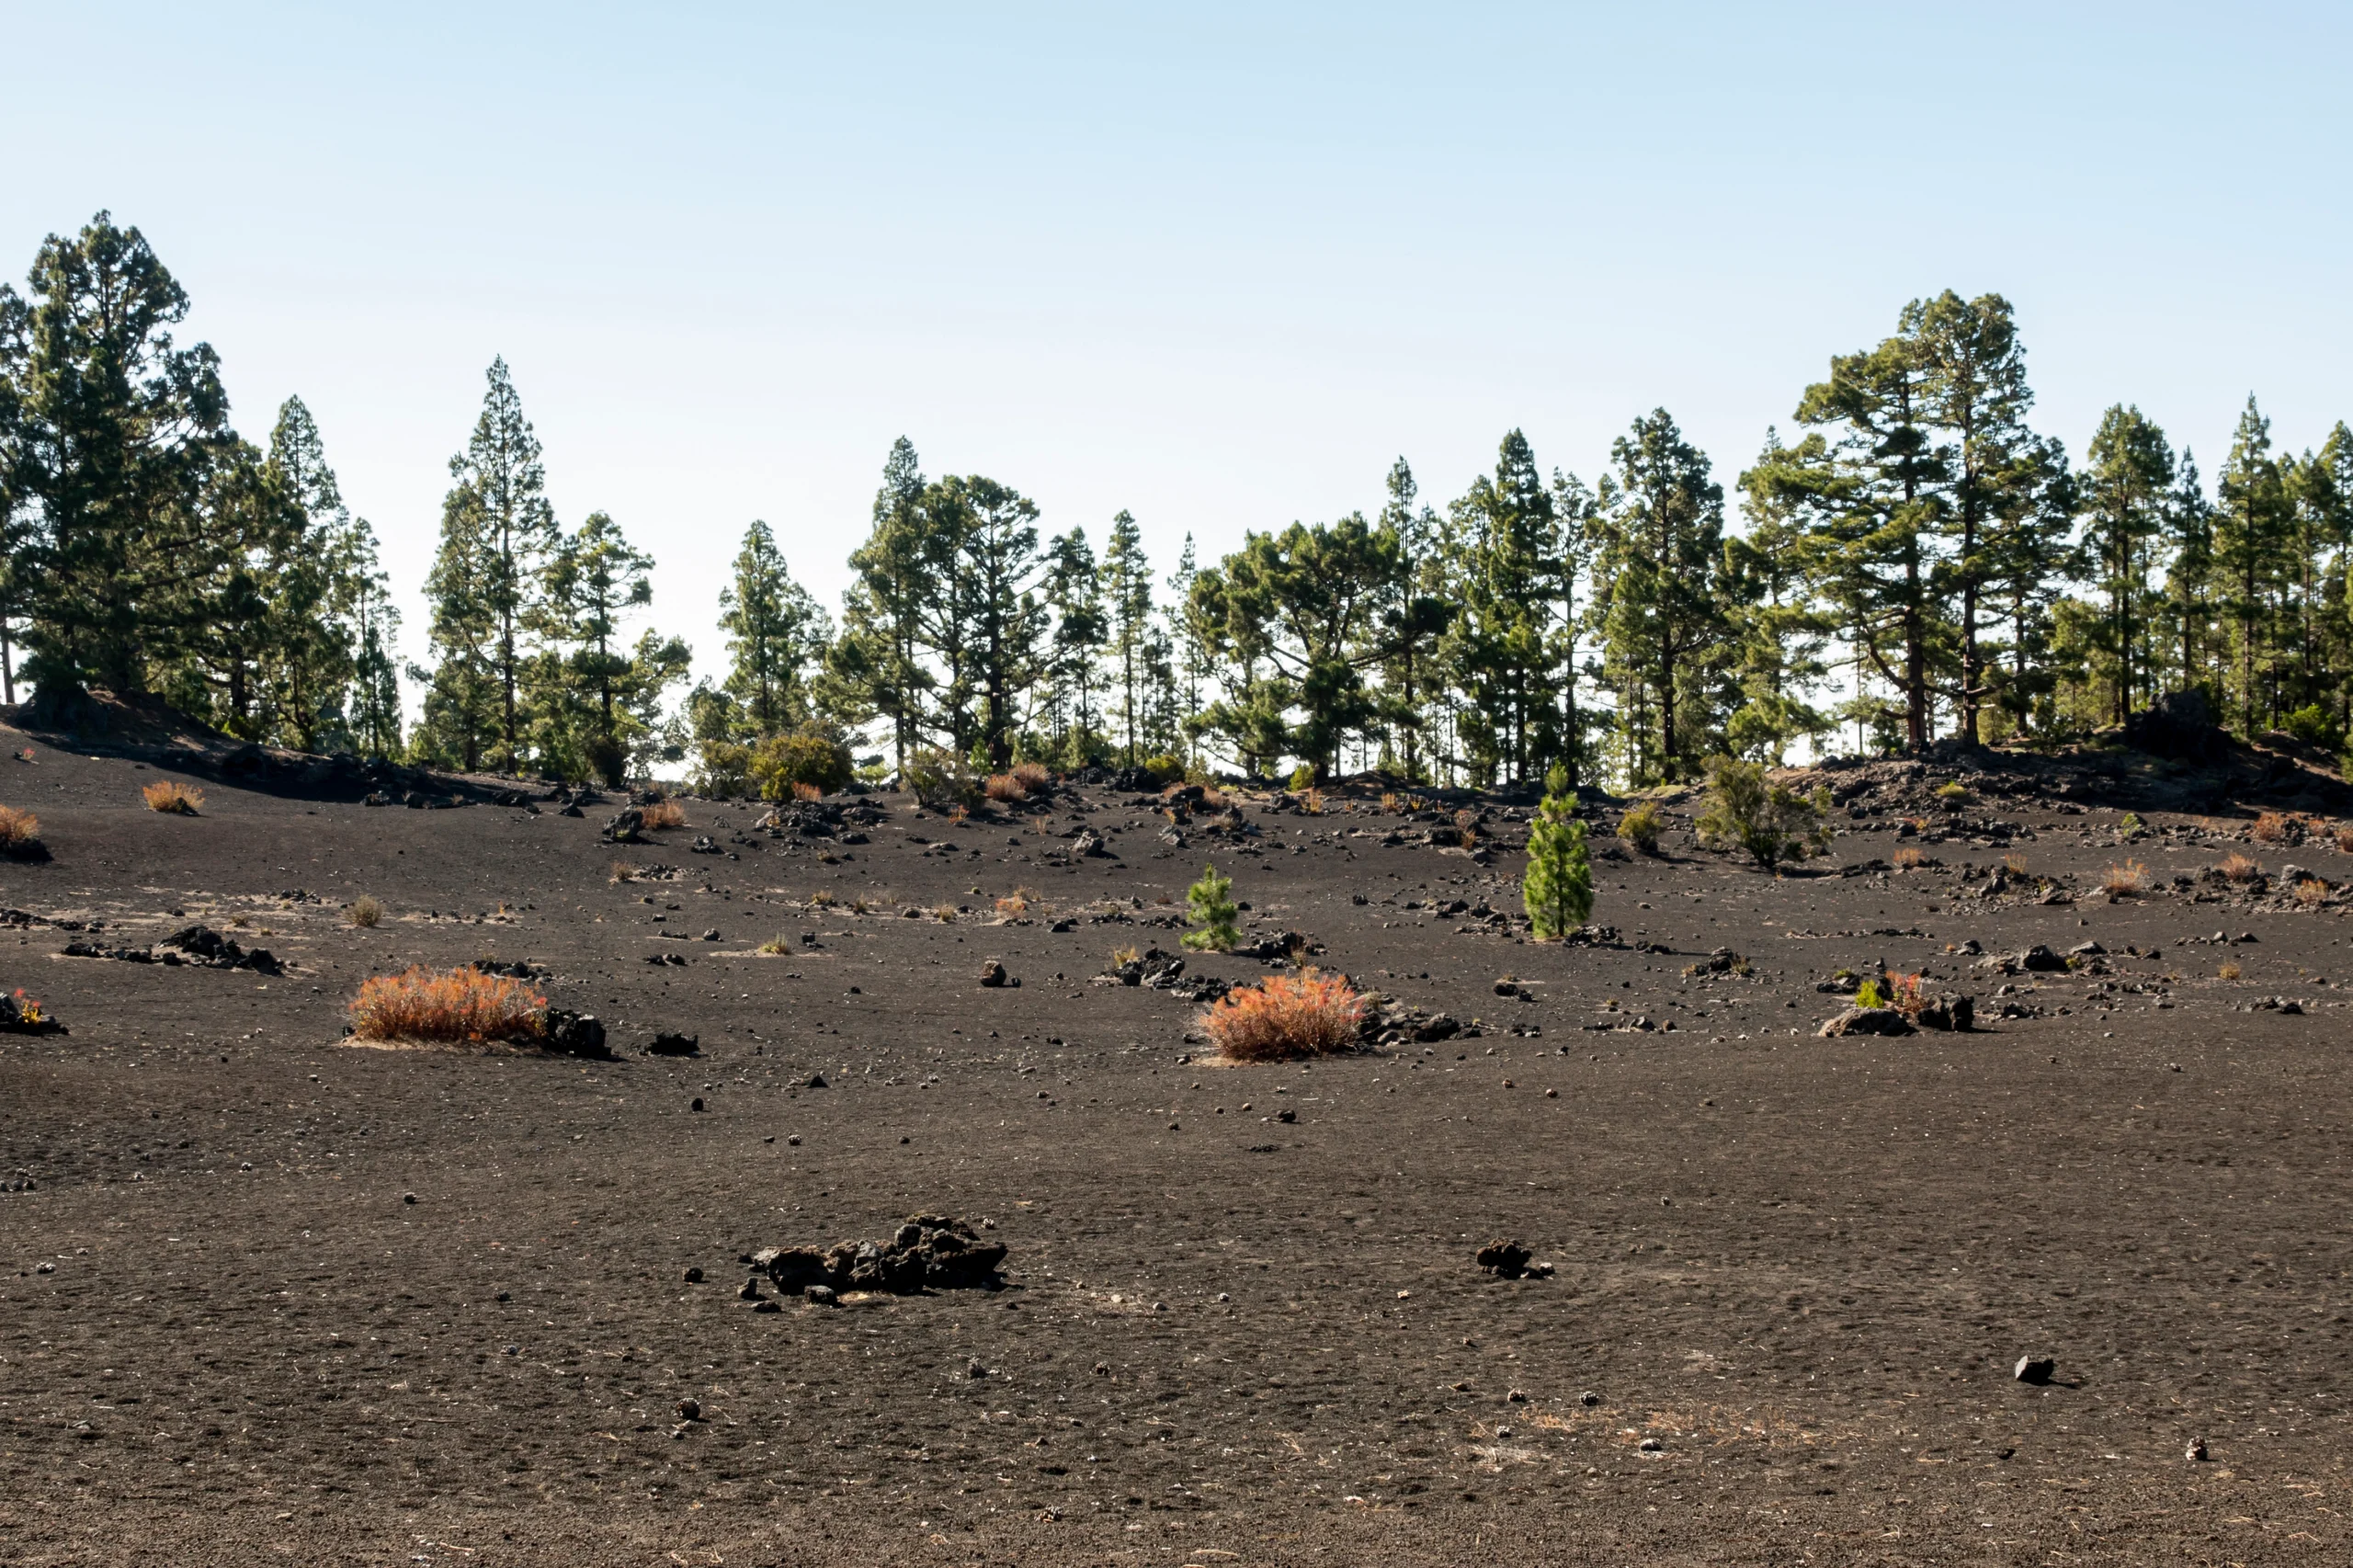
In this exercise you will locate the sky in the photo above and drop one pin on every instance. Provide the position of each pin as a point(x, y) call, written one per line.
point(1218, 265)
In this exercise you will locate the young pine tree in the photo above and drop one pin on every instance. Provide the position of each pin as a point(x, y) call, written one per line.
point(1209, 903)
point(1559, 887)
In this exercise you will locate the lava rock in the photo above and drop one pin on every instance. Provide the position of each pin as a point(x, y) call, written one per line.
point(676, 1045)
point(2034, 1370)
point(993, 974)
point(573, 1034)
point(1867, 1021)
point(1504, 1259)
point(928, 1252)
point(625, 826)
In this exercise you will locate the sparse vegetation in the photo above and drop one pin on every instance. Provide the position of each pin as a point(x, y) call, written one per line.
point(1013, 903)
point(19, 831)
point(2230, 972)
point(2345, 840)
point(1209, 903)
point(1953, 794)
point(2126, 880)
point(775, 946)
point(2278, 827)
point(2311, 892)
point(2015, 864)
point(1867, 994)
point(365, 912)
point(2132, 824)
point(663, 814)
point(460, 1006)
point(1909, 858)
point(1285, 1017)
point(1557, 889)
point(808, 756)
point(804, 792)
point(1771, 822)
point(1122, 956)
point(1302, 777)
point(173, 798)
point(2239, 869)
point(1903, 994)
point(1640, 827)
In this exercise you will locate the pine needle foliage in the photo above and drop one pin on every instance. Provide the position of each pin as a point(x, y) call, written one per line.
point(1558, 891)
point(1209, 905)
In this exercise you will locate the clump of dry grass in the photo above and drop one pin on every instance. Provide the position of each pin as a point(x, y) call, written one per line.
point(2230, 972)
point(1282, 1017)
point(2126, 881)
point(663, 814)
point(2311, 892)
point(2015, 864)
point(1023, 780)
point(775, 946)
point(1908, 858)
point(1013, 903)
point(2278, 827)
point(2239, 869)
point(2345, 840)
point(1313, 802)
point(19, 830)
point(1122, 956)
point(821, 898)
point(804, 791)
point(171, 796)
point(365, 911)
point(462, 1007)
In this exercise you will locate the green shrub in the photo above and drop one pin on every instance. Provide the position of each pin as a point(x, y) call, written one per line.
point(726, 770)
point(807, 756)
point(1302, 777)
point(1209, 905)
point(1640, 827)
point(1163, 769)
point(1558, 892)
point(1867, 994)
point(1772, 822)
point(1954, 792)
point(941, 779)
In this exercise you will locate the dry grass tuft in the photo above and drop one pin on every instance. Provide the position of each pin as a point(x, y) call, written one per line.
point(365, 911)
point(1013, 903)
point(945, 911)
point(1023, 780)
point(1904, 993)
point(822, 898)
point(1284, 1017)
point(2239, 869)
point(2278, 827)
point(804, 791)
point(2230, 972)
point(663, 814)
point(171, 796)
point(2311, 892)
point(2345, 840)
point(2015, 864)
point(462, 1007)
point(19, 830)
point(1313, 802)
point(2126, 881)
point(1908, 858)
point(775, 946)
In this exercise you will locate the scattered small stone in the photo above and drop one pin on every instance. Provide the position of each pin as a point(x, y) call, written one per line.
point(993, 974)
point(1505, 1259)
point(1650, 1444)
point(1588, 1400)
point(676, 1045)
point(695, 1104)
point(2196, 1453)
point(408, 1197)
point(689, 1410)
point(693, 1277)
point(2034, 1370)
point(751, 1289)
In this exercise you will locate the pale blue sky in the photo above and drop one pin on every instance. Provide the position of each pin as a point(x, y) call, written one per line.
point(1218, 265)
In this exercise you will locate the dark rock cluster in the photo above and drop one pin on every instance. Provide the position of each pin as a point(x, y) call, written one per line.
point(197, 946)
point(929, 1251)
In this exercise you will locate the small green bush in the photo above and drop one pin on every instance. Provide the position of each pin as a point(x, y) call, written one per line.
point(1302, 777)
point(1640, 827)
point(1209, 903)
point(1772, 822)
point(941, 779)
point(1558, 892)
point(807, 756)
point(1954, 792)
point(1163, 769)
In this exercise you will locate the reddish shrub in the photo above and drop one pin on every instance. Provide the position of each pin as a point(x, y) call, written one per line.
point(462, 1006)
point(1313, 1015)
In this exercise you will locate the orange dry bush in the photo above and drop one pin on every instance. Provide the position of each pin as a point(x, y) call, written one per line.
point(1904, 993)
point(2239, 869)
point(1012, 904)
point(665, 813)
point(2311, 892)
point(463, 1005)
point(1909, 857)
point(2274, 828)
point(17, 829)
point(1004, 787)
point(2014, 864)
point(171, 795)
point(2345, 840)
point(2123, 882)
point(1313, 1015)
point(804, 791)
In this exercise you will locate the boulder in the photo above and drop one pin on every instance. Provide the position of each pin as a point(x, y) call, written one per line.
point(1505, 1259)
point(1867, 1021)
point(676, 1045)
point(992, 975)
point(573, 1034)
point(625, 826)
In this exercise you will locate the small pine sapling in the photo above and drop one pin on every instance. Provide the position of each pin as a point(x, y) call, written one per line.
point(1209, 903)
point(1558, 892)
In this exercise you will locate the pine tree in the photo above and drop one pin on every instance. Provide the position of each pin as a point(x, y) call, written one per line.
point(461, 720)
point(776, 634)
point(593, 699)
point(2251, 546)
point(1209, 903)
point(1416, 618)
point(115, 433)
point(877, 668)
point(511, 531)
point(1127, 593)
point(1072, 591)
point(1558, 891)
point(1508, 562)
point(2126, 485)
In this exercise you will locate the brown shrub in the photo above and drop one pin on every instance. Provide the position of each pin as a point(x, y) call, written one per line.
point(463, 1005)
point(1909, 857)
point(1283, 1017)
point(2015, 864)
point(2125, 880)
point(663, 814)
point(1013, 903)
point(2230, 972)
point(2278, 827)
point(172, 796)
point(2239, 869)
point(19, 830)
point(2311, 892)
point(1904, 993)
point(804, 791)
point(2345, 840)
point(365, 911)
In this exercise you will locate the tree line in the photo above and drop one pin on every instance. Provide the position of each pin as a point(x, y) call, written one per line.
point(1912, 547)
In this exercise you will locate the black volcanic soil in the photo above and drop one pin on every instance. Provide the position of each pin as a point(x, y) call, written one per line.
point(1792, 1274)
